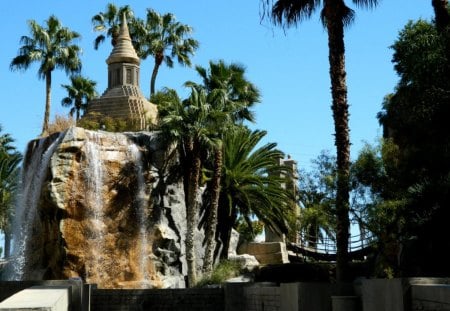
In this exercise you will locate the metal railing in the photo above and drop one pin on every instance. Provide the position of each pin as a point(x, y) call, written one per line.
point(327, 245)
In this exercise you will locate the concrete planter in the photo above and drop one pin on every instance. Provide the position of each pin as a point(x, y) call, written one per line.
point(345, 303)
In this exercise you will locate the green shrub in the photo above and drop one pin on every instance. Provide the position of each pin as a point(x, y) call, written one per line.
point(97, 121)
point(225, 270)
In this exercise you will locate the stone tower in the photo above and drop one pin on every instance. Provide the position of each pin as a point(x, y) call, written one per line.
point(123, 97)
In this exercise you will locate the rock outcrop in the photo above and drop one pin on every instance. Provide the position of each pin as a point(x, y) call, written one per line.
point(110, 210)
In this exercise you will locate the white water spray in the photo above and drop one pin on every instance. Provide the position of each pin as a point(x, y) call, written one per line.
point(142, 212)
point(34, 174)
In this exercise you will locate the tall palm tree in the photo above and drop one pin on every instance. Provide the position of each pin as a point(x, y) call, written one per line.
point(231, 96)
point(108, 23)
point(164, 38)
point(185, 122)
point(51, 46)
point(251, 184)
point(79, 93)
point(335, 15)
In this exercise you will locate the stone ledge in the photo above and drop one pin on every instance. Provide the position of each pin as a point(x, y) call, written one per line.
point(48, 298)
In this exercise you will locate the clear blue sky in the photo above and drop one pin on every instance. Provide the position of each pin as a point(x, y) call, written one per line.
point(290, 68)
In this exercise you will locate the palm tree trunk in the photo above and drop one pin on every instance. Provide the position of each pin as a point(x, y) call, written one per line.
point(226, 220)
point(7, 243)
point(335, 28)
point(191, 214)
point(441, 14)
point(158, 61)
point(212, 216)
point(48, 89)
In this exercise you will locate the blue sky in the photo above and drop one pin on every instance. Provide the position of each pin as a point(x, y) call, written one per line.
point(290, 68)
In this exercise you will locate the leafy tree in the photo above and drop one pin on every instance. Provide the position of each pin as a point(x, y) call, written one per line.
point(52, 47)
point(79, 93)
point(335, 15)
point(317, 192)
point(251, 184)
point(108, 23)
point(415, 119)
point(9, 171)
point(165, 39)
point(376, 172)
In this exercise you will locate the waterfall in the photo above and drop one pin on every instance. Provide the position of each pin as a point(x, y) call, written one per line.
point(34, 173)
point(142, 213)
point(94, 177)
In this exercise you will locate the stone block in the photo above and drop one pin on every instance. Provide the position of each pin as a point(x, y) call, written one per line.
point(264, 248)
point(430, 297)
point(382, 294)
point(267, 253)
point(45, 298)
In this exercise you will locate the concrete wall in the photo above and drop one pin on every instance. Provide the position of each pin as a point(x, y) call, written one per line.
point(430, 297)
point(307, 296)
point(383, 294)
point(424, 294)
point(262, 298)
point(207, 299)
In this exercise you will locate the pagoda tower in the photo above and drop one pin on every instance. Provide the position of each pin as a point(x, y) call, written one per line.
point(123, 98)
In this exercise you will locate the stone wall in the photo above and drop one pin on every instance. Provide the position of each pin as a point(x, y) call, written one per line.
point(209, 299)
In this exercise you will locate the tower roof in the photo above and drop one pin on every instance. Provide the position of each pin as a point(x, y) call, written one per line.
point(123, 51)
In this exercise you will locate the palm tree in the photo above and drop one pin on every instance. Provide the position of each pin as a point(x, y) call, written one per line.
point(185, 122)
point(51, 46)
point(162, 37)
point(79, 93)
point(231, 96)
point(251, 184)
point(108, 23)
point(335, 15)
point(9, 171)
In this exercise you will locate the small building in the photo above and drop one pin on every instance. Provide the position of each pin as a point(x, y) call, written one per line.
point(123, 99)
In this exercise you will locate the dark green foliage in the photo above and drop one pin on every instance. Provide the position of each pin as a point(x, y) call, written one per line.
point(9, 173)
point(415, 188)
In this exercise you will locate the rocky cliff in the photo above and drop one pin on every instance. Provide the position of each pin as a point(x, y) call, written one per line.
point(105, 207)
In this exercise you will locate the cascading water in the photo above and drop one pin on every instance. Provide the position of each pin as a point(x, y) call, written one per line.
point(33, 176)
point(94, 174)
point(97, 180)
point(86, 210)
point(142, 213)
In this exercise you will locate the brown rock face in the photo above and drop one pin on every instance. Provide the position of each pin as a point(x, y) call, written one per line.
point(110, 210)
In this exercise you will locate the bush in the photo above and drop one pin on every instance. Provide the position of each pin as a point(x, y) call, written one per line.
point(225, 270)
point(97, 121)
point(60, 124)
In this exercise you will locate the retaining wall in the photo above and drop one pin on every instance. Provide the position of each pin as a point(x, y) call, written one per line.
point(207, 299)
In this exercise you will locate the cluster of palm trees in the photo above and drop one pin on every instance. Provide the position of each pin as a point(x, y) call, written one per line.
point(217, 149)
point(53, 46)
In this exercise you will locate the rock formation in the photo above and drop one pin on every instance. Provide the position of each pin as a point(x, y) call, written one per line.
point(104, 207)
